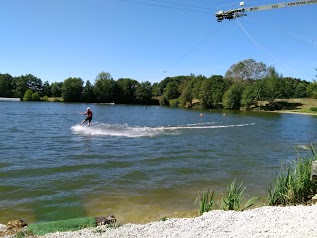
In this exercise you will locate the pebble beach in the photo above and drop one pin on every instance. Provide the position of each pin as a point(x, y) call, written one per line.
point(286, 222)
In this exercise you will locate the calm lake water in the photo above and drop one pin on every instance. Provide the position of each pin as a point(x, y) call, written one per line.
point(137, 163)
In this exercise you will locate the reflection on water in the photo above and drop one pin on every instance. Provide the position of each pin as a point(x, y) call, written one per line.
point(139, 164)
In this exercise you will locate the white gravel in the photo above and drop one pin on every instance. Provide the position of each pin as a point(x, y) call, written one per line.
point(286, 222)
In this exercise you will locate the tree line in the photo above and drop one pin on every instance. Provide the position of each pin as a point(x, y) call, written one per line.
point(244, 84)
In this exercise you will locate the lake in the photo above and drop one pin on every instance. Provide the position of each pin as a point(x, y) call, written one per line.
point(137, 163)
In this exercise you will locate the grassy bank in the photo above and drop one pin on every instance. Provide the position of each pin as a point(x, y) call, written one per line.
point(293, 186)
point(296, 105)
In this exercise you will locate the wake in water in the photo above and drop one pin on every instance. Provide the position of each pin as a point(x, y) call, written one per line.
point(124, 130)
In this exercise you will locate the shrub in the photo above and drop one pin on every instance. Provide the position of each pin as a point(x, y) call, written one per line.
point(36, 96)
point(28, 95)
point(174, 102)
point(314, 109)
point(45, 98)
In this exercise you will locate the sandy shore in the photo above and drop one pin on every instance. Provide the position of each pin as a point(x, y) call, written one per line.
point(293, 112)
point(286, 222)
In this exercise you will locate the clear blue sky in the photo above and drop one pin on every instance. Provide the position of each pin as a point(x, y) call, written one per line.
point(57, 39)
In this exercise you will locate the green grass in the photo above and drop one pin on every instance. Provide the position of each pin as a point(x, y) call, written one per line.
point(62, 225)
point(313, 109)
point(163, 219)
point(55, 99)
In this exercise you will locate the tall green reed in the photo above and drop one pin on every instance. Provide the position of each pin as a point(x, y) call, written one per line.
point(206, 202)
point(294, 186)
point(234, 197)
point(232, 200)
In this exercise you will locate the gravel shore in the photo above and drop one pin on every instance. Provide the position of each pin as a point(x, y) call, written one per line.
point(286, 222)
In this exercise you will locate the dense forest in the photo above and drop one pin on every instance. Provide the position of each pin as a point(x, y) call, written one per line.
point(244, 84)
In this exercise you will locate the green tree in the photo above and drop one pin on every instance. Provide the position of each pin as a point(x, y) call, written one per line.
point(6, 85)
point(312, 89)
point(36, 96)
point(156, 90)
point(300, 90)
point(72, 90)
point(249, 96)
point(105, 88)
point(25, 82)
point(186, 97)
point(46, 89)
point(232, 97)
point(205, 93)
point(212, 91)
point(88, 93)
point(162, 85)
point(246, 70)
point(28, 95)
point(144, 93)
point(127, 90)
point(56, 89)
point(272, 85)
point(180, 83)
point(171, 90)
point(195, 84)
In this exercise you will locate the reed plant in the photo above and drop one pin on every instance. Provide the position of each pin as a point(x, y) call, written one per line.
point(206, 202)
point(234, 197)
point(293, 186)
point(232, 200)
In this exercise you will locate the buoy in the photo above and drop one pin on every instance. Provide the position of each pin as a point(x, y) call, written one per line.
point(201, 114)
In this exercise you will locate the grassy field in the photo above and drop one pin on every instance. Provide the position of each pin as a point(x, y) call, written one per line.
point(55, 99)
point(300, 105)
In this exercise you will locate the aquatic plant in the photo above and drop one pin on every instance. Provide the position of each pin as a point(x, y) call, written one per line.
point(294, 186)
point(232, 201)
point(206, 202)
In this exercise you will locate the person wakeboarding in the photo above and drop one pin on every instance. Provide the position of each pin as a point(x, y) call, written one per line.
point(89, 116)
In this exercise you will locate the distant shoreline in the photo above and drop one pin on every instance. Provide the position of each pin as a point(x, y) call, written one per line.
point(293, 112)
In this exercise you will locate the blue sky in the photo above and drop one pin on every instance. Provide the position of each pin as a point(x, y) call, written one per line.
point(148, 40)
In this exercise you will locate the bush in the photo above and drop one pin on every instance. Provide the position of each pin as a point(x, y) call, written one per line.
point(36, 96)
point(174, 102)
point(28, 95)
